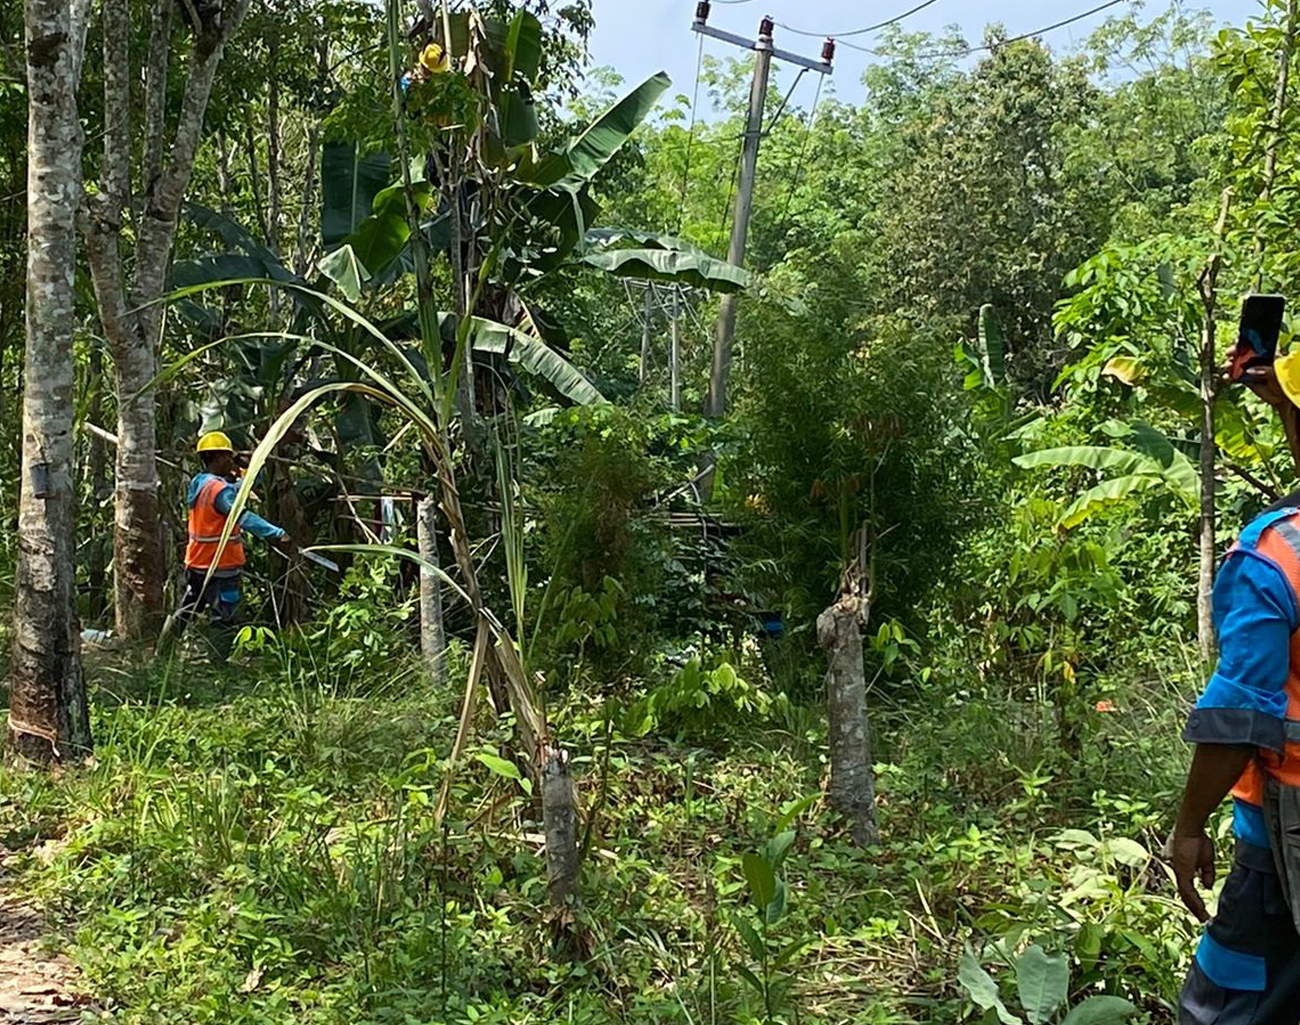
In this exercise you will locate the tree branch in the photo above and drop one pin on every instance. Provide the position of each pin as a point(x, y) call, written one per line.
point(163, 203)
point(155, 93)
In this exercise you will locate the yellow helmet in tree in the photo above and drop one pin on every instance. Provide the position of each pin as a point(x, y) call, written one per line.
point(215, 441)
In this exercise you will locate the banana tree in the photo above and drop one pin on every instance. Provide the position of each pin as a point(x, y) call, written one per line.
point(1154, 462)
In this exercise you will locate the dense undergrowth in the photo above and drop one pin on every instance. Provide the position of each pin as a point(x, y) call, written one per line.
point(259, 846)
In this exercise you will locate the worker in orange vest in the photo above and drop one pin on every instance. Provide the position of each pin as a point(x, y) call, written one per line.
point(1246, 728)
point(213, 573)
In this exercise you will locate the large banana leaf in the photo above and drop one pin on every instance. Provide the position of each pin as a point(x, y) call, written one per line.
point(1175, 467)
point(993, 350)
point(1091, 457)
point(531, 354)
point(378, 242)
point(586, 154)
point(695, 269)
point(237, 239)
point(349, 184)
point(1109, 492)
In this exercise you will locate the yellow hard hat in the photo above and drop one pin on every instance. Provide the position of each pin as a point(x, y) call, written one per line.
point(1288, 375)
point(215, 441)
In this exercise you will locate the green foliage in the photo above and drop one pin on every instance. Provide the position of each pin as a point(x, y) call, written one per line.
point(701, 704)
point(1042, 983)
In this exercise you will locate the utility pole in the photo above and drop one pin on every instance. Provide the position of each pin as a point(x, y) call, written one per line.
point(715, 404)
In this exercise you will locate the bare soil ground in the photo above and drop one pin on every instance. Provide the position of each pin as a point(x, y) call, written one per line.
point(37, 987)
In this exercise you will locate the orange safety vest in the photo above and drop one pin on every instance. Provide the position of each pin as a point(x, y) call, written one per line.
point(206, 525)
point(1280, 542)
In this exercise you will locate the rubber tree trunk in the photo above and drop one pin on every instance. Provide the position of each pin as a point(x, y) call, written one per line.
point(852, 784)
point(97, 568)
point(128, 308)
point(48, 715)
point(433, 633)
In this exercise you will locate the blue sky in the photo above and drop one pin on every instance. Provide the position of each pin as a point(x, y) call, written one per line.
point(640, 37)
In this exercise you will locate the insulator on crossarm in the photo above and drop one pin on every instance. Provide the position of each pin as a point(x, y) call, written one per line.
point(766, 27)
point(702, 12)
point(828, 51)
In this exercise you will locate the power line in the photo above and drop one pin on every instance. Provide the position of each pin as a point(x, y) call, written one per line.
point(985, 47)
point(860, 31)
point(1024, 35)
point(690, 138)
point(803, 151)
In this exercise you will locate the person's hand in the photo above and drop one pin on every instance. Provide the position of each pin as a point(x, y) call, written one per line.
point(1192, 858)
point(1261, 380)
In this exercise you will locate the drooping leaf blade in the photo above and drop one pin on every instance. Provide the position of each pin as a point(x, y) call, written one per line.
point(350, 181)
point(695, 269)
point(1043, 981)
point(1109, 492)
point(982, 988)
point(1100, 1010)
point(586, 154)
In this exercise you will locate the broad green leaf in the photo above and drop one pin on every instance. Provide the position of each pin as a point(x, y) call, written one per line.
point(381, 237)
point(349, 184)
point(533, 355)
point(779, 847)
point(523, 47)
point(585, 155)
point(750, 937)
point(992, 346)
point(1100, 1010)
point(1043, 981)
point(1090, 457)
point(776, 908)
point(761, 879)
point(344, 269)
point(1087, 945)
point(982, 988)
point(1127, 852)
point(695, 269)
point(1118, 489)
point(499, 765)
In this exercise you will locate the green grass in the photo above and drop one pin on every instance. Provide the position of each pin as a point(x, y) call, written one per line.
point(260, 847)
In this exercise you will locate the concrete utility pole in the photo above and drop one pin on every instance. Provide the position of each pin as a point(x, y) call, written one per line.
point(715, 404)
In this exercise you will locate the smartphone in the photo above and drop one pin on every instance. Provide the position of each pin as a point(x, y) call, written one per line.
point(1261, 324)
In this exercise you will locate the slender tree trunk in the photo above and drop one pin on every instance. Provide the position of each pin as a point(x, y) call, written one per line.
point(129, 311)
point(1209, 556)
point(839, 631)
point(48, 714)
point(433, 634)
point(97, 570)
point(223, 173)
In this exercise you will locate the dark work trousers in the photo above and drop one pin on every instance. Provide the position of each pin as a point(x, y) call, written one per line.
point(1247, 968)
point(220, 599)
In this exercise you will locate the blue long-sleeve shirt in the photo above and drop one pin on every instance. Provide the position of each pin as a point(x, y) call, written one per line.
point(225, 501)
point(1245, 702)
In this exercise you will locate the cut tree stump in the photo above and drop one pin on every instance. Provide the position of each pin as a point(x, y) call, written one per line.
point(852, 789)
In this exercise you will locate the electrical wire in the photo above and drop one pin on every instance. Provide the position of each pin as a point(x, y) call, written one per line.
point(859, 31)
point(690, 140)
point(984, 47)
point(803, 150)
point(1024, 35)
point(776, 118)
